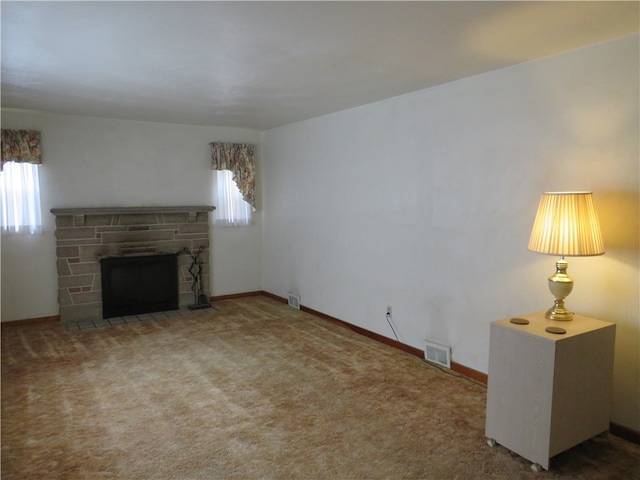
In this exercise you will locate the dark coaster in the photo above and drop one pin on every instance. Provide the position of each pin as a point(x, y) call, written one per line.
point(519, 321)
point(557, 330)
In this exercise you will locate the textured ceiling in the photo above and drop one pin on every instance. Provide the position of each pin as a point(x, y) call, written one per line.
point(265, 64)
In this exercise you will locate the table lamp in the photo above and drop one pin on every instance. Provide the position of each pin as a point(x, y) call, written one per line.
point(567, 225)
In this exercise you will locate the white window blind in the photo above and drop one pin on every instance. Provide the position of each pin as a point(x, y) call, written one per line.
point(20, 197)
point(231, 210)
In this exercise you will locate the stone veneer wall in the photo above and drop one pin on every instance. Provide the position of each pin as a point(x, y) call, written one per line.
point(85, 235)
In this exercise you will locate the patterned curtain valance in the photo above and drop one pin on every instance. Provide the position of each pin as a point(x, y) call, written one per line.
point(237, 157)
point(22, 146)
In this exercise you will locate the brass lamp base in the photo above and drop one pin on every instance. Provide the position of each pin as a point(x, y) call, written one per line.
point(560, 285)
point(559, 312)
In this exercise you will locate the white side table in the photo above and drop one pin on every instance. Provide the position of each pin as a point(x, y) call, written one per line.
point(548, 392)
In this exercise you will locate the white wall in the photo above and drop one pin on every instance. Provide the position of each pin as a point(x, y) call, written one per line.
point(92, 162)
point(425, 202)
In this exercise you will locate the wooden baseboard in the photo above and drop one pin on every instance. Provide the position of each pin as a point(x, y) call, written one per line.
point(235, 295)
point(365, 332)
point(275, 297)
point(470, 372)
point(624, 432)
point(30, 321)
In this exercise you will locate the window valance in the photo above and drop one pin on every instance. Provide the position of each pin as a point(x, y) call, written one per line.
point(238, 158)
point(21, 146)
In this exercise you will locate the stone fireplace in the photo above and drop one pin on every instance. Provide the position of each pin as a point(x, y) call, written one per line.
point(86, 235)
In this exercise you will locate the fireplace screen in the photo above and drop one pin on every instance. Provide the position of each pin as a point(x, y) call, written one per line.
point(135, 285)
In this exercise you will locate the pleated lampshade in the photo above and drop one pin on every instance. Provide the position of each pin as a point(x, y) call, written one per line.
point(566, 224)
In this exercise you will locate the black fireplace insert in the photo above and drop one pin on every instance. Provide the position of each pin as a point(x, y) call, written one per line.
point(140, 284)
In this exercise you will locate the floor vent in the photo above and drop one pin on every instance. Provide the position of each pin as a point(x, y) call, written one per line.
point(438, 354)
point(294, 301)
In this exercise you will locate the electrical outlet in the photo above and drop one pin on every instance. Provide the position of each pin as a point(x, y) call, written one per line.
point(388, 309)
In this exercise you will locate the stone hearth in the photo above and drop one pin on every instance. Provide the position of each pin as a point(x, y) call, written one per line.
point(85, 235)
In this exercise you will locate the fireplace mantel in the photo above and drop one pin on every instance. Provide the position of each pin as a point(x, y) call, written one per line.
point(78, 212)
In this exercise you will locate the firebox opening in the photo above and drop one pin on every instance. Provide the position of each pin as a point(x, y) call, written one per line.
point(140, 284)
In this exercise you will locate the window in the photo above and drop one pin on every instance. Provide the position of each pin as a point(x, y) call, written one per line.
point(231, 209)
point(234, 183)
point(20, 198)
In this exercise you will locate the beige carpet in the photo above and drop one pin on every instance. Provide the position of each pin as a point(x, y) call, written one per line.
point(252, 390)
